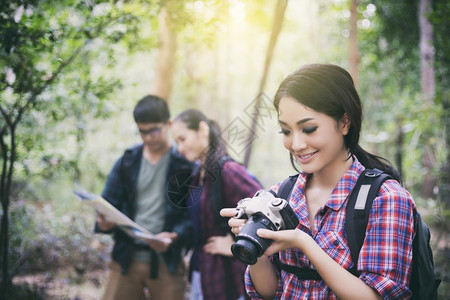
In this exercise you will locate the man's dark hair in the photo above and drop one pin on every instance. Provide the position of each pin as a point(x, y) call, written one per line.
point(151, 109)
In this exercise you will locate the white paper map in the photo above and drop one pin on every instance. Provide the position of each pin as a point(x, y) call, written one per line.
point(112, 214)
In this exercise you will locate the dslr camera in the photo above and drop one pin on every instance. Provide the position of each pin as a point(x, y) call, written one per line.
point(263, 210)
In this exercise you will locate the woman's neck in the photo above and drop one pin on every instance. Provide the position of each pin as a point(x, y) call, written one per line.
point(327, 179)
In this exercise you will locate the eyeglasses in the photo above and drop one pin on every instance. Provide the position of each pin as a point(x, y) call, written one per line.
point(152, 131)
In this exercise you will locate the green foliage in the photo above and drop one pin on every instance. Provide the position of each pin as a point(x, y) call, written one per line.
point(390, 88)
point(441, 23)
point(72, 61)
point(47, 236)
point(41, 40)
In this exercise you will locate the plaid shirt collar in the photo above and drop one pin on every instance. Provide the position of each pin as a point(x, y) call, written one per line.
point(341, 191)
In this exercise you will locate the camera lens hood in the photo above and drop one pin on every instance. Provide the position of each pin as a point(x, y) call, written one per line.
point(249, 246)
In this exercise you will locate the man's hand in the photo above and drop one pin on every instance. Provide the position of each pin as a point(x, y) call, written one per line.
point(103, 224)
point(160, 245)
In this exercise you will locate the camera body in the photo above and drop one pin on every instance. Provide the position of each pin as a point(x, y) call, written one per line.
point(263, 210)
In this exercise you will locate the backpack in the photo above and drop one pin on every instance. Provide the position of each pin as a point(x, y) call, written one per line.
point(423, 283)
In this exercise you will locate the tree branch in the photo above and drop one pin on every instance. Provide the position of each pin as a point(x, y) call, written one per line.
point(36, 92)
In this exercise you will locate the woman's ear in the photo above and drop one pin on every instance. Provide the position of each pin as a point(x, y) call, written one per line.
point(203, 129)
point(344, 124)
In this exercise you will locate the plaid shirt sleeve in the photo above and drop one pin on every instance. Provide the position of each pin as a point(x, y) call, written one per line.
point(385, 259)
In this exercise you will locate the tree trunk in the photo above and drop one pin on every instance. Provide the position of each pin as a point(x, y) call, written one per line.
point(428, 89)
point(8, 157)
point(4, 247)
point(444, 189)
point(399, 146)
point(277, 24)
point(165, 63)
point(353, 42)
point(426, 51)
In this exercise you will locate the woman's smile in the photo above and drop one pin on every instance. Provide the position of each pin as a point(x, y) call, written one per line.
point(305, 158)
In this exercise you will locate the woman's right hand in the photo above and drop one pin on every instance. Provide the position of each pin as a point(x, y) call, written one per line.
point(263, 275)
point(235, 224)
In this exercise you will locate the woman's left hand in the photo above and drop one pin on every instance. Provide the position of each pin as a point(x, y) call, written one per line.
point(219, 245)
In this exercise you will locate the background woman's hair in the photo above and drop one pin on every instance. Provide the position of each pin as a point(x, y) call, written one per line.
point(329, 89)
point(216, 147)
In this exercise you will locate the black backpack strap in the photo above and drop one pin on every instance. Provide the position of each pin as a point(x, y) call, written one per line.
point(357, 216)
point(285, 190)
point(302, 273)
point(358, 208)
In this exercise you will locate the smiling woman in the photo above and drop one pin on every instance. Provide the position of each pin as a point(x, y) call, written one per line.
point(319, 112)
point(314, 139)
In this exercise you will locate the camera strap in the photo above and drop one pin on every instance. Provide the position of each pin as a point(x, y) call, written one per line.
point(285, 190)
point(302, 273)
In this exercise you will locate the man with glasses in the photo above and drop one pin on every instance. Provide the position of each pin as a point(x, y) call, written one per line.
point(146, 184)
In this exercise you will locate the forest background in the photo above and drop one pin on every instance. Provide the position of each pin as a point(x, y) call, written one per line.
point(71, 72)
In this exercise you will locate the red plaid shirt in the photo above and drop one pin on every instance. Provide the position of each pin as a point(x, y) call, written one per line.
point(385, 257)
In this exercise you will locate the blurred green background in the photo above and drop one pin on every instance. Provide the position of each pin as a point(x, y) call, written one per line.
point(72, 72)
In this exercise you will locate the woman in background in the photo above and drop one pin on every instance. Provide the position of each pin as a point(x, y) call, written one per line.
point(219, 181)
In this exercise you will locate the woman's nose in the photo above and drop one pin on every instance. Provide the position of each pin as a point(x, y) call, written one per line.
point(298, 142)
point(180, 147)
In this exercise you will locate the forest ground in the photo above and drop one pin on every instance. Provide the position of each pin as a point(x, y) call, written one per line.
point(65, 284)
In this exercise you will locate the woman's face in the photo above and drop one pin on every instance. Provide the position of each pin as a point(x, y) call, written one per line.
point(192, 144)
point(315, 140)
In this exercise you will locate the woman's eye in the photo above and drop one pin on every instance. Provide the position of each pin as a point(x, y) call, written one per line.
point(309, 129)
point(284, 131)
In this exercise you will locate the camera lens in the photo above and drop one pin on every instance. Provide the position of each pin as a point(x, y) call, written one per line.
point(249, 246)
point(245, 251)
